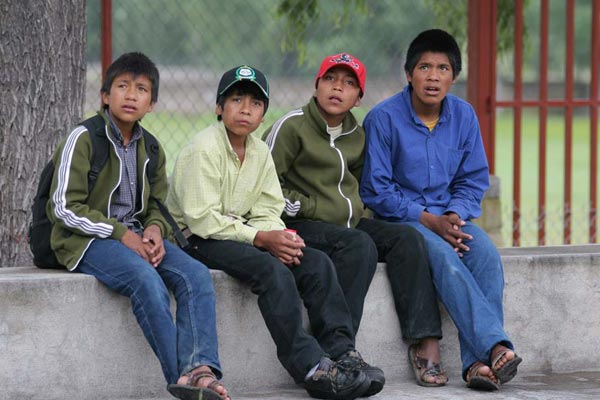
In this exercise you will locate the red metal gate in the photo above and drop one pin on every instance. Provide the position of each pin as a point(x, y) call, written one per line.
point(482, 94)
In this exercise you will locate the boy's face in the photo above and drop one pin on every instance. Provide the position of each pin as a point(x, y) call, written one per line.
point(130, 98)
point(337, 92)
point(241, 113)
point(431, 80)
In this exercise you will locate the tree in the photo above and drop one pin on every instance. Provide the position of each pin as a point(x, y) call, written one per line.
point(42, 71)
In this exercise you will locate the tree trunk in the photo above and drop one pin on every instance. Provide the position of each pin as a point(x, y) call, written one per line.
point(42, 72)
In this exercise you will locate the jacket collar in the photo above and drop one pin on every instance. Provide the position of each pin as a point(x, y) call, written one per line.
point(349, 124)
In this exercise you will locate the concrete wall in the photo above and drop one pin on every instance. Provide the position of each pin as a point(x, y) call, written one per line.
point(65, 336)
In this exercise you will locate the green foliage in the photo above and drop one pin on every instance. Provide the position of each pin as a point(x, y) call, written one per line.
point(299, 14)
point(453, 15)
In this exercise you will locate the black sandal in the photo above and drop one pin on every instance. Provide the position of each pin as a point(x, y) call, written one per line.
point(189, 390)
point(509, 369)
point(480, 382)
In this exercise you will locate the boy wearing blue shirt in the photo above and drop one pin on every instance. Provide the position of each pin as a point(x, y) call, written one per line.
point(426, 166)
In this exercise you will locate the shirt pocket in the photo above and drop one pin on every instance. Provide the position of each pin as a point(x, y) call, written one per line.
point(453, 161)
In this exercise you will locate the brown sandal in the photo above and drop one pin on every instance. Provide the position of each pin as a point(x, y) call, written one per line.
point(480, 382)
point(509, 369)
point(190, 390)
point(421, 369)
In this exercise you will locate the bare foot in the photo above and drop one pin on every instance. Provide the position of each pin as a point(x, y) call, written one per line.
point(481, 377)
point(504, 363)
point(429, 349)
point(480, 369)
point(500, 356)
point(203, 377)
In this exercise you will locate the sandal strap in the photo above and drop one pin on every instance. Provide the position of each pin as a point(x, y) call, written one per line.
point(426, 370)
point(498, 357)
point(474, 369)
point(193, 378)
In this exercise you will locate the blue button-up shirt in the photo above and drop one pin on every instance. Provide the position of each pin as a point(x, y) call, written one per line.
point(409, 169)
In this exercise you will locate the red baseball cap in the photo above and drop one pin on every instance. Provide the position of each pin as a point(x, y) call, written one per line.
point(344, 60)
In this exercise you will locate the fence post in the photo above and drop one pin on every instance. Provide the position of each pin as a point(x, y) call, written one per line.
point(481, 93)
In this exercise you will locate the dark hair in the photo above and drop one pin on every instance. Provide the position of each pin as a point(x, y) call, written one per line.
point(242, 88)
point(134, 63)
point(437, 41)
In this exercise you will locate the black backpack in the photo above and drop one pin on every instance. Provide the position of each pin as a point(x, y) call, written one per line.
point(40, 228)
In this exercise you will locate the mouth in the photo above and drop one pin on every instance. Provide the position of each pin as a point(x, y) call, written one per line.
point(243, 122)
point(432, 90)
point(335, 99)
point(129, 108)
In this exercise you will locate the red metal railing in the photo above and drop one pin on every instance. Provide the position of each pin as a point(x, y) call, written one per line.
point(481, 94)
point(105, 34)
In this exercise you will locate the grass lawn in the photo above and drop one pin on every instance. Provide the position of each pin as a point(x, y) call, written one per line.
point(175, 129)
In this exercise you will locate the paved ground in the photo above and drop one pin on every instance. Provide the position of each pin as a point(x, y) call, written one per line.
point(571, 386)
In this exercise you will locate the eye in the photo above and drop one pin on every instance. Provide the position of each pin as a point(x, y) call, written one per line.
point(350, 82)
point(257, 103)
point(445, 68)
point(328, 77)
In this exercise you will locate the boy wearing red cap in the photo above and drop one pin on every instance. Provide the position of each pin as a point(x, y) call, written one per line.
point(319, 152)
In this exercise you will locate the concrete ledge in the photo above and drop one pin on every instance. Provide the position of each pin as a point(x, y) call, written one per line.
point(65, 335)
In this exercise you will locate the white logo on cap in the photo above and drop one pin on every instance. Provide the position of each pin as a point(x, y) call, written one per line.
point(245, 72)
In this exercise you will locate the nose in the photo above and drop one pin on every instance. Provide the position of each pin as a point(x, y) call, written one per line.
point(338, 84)
point(245, 106)
point(433, 74)
point(131, 93)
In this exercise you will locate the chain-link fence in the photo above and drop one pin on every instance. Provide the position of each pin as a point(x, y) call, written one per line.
point(194, 41)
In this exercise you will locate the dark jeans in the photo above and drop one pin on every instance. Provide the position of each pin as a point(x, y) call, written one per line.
point(355, 253)
point(281, 291)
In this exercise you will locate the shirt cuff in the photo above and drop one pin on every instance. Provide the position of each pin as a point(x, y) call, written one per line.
point(414, 212)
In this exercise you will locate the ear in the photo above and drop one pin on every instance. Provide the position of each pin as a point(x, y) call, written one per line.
point(151, 106)
point(408, 77)
point(219, 110)
point(105, 98)
point(357, 103)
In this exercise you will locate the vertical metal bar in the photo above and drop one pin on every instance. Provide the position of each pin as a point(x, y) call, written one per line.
point(543, 118)
point(105, 35)
point(481, 83)
point(569, 69)
point(518, 89)
point(595, 68)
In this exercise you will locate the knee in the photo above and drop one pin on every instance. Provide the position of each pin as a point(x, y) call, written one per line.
point(198, 278)
point(317, 264)
point(358, 238)
point(271, 275)
point(150, 285)
point(407, 240)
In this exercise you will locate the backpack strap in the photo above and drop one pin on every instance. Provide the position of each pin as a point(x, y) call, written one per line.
point(151, 145)
point(96, 126)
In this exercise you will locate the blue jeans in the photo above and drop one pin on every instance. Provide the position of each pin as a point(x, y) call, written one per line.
point(471, 290)
point(181, 346)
